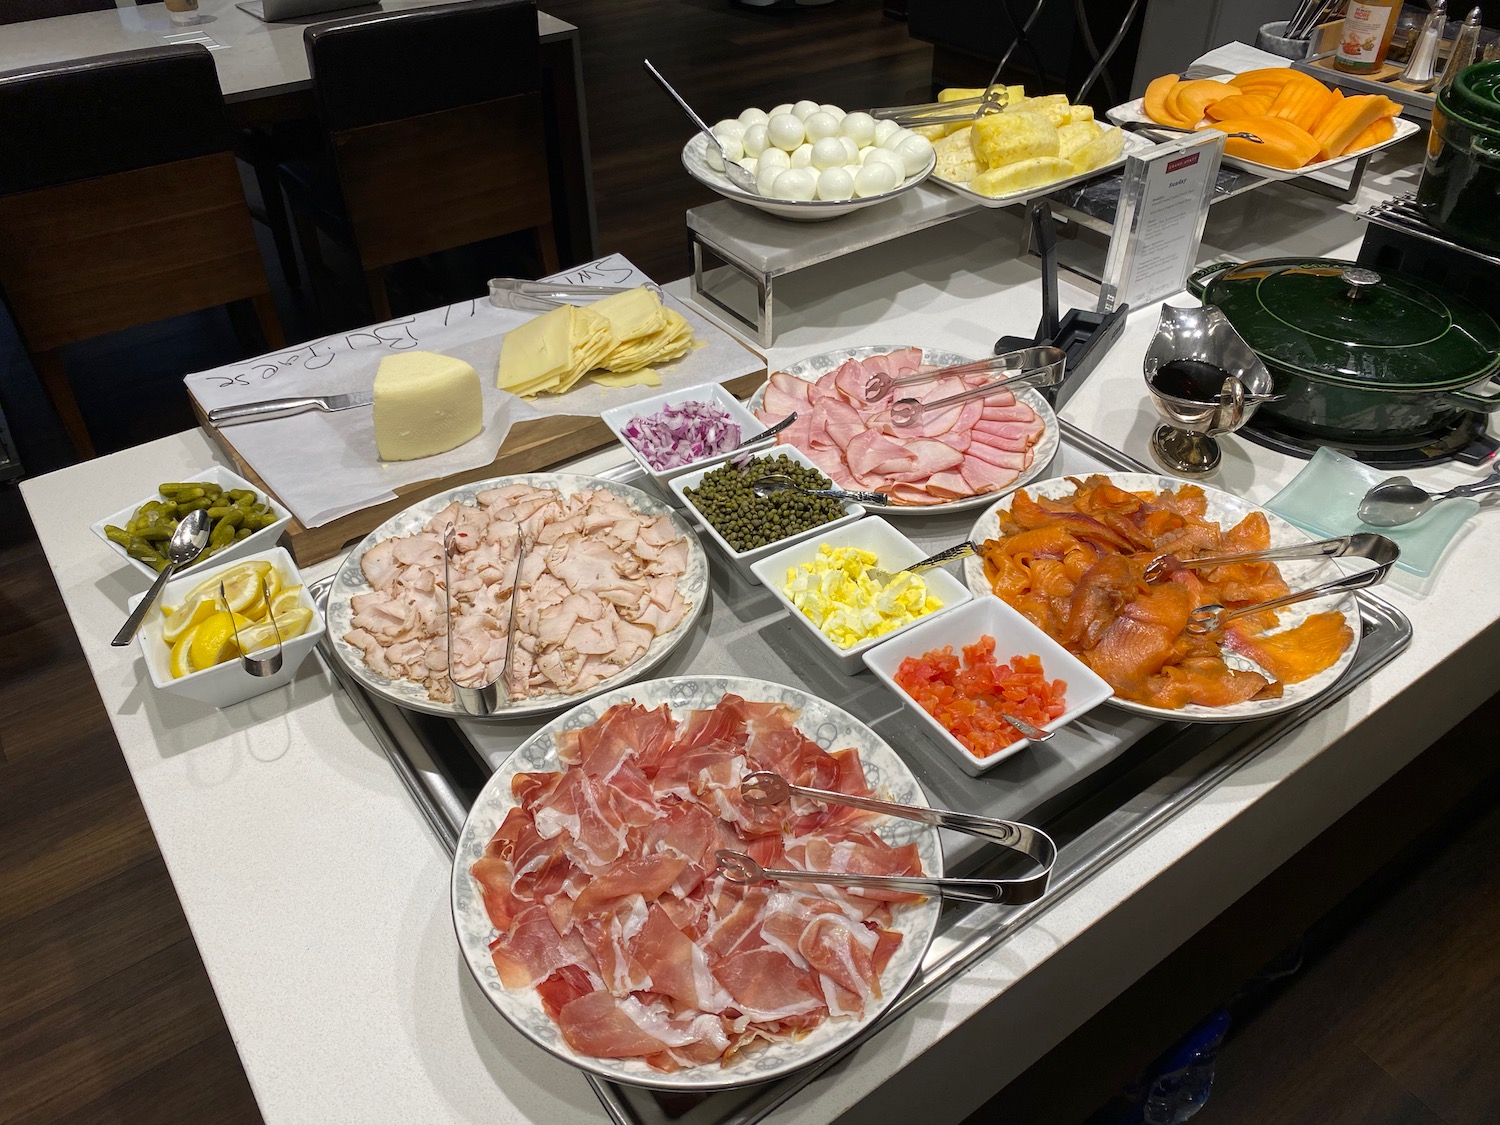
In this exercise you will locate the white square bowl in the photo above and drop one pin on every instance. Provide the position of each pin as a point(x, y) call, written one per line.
point(892, 551)
point(618, 417)
point(1014, 636)
point(257, 543)
point(228, 683)
point(745, 560)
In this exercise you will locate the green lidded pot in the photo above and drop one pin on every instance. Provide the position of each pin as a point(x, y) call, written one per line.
point(1460, 189)
point(1357, 354)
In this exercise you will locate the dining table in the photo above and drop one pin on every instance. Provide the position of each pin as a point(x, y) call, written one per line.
point(319, 899)
point(264, 76)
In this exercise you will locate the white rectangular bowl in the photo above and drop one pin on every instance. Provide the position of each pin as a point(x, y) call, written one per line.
point(258, 543)
point(228, 683)
point(892, 551)
point(745, 560)
point(1014, 636)
point(618, 417)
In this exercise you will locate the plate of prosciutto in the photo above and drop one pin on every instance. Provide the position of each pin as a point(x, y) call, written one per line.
point(589, 909)
point(611, 581)
point(1071, 556)
point(960, 457)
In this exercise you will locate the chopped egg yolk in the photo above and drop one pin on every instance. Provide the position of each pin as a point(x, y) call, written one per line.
point(836, 593)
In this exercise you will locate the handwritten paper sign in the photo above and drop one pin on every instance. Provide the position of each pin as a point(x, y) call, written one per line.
point(323, 466)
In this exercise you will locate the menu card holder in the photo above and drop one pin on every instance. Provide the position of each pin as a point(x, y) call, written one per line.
point(1164, 197)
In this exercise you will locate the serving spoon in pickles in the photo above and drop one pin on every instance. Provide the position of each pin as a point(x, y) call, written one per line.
point(186, 544)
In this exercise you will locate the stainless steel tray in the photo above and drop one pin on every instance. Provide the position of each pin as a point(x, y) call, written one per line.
point(1098, 787)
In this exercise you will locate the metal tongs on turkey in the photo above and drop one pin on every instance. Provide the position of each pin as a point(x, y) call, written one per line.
point(765, 788)
point(944, 113)
point(516, 293)
point(481, 699)
point(1206, 619)
point(1042, 366)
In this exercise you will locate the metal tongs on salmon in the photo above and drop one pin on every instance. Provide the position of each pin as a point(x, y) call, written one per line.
point(1042, 366)
point(1378, 549)
point(764, 788)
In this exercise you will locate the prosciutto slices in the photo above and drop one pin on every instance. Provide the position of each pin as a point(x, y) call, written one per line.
point(598, 583)
point(966, 450)
point(601, 885)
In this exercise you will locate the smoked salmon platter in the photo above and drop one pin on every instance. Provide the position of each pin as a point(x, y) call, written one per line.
point(582, 627)
point(1070, 553)
point(668, 977)
point(953, 459)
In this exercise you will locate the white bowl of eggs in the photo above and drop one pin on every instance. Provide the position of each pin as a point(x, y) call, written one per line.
point(812, 162)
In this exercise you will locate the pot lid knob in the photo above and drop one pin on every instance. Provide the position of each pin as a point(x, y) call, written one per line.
point(1358, 281)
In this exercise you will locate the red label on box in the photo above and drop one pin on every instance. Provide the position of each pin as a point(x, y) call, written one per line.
point(1183, 162)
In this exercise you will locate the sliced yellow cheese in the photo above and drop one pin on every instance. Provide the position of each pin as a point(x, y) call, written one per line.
point(537, 354)
point(425, 404)
point(642, 377)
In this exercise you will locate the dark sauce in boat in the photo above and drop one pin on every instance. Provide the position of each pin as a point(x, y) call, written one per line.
point(1191, 379)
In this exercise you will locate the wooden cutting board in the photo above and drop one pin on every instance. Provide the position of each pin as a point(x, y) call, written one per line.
point(532, 445)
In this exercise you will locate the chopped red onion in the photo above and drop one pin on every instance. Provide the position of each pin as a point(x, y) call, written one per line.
point(679, 435)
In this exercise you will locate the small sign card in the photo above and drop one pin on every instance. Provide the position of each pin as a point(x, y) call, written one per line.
point(1164, 198)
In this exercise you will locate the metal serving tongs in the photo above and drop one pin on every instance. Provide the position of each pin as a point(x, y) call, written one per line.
point(481, 699)
point(993, 100)
point(256, 665)
point(1378, 549)
point(764, 788)
point(516, 293)
point(1042, 366)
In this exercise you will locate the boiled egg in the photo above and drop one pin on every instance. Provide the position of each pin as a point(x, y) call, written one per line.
point(820, 125)
point(804, 109)
point(875, 178)
point(858, 127)
point(794, 184)
point(915, 151)
point(802, 156)
point(835, 183)
point(753, 116)
point(755, 140)
point(828, 153)
point(785, 131)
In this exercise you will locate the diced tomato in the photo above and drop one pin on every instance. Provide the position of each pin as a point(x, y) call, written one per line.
point(968, 696)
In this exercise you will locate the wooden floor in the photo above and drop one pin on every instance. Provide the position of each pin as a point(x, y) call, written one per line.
point(106, 1014)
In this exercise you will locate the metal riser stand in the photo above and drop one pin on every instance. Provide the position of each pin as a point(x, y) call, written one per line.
point(1093, 822)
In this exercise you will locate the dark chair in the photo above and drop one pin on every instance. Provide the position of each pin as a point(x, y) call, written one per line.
point(19, 11)
point(120, 205)
point(434, 130)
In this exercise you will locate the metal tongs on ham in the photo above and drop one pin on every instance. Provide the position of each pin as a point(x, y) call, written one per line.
point(1206, 619)
point(765, 788)
point(480, 699)
point(1042, 366)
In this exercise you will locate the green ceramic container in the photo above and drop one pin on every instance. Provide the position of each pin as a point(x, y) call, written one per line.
point(1460, 189)
point(1356, 354)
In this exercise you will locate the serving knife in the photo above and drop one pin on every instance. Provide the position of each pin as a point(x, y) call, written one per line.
point(270, 408)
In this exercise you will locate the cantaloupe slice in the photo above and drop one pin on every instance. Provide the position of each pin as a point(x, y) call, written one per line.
point(1194, 97)
point(1303, 102)
point(1238, 105)
point(1377, 132)
point(1155, 99)
point(1270, 77)
point(1347, 120)
point(1281, 145)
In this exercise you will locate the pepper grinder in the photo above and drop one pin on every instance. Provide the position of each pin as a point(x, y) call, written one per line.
point(1465, 47)
point(1421, 68)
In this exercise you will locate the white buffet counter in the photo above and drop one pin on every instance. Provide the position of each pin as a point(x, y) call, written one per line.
point(318, 896)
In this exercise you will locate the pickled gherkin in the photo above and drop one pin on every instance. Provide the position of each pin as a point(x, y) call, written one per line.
point(233, 515)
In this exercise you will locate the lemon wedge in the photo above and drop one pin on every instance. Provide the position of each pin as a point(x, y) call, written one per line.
point(177, 663)
point(284, 601)
point(293, 623)
point(213, 640)
point(186, 616)
point(241, 585)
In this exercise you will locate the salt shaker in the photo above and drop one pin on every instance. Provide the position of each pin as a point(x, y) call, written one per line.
point(1421, 68)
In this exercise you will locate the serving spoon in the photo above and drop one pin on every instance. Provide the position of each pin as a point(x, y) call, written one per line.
point(1394, 502)
point(738, 175)
point(186, 544)
point(780, 482)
